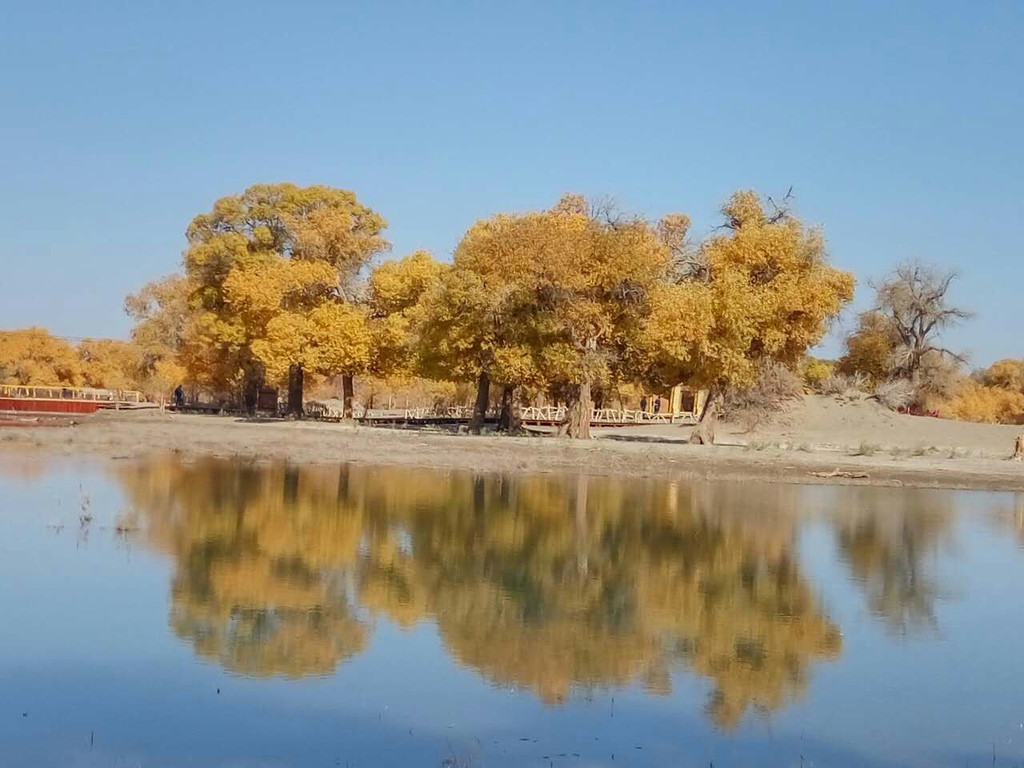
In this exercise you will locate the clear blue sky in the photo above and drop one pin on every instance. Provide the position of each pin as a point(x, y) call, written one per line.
point(899, 125)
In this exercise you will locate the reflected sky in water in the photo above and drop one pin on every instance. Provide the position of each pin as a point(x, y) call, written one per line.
point(218, 613)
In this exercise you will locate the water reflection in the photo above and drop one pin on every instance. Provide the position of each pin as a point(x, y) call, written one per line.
point(889, 542)
point(558, 585)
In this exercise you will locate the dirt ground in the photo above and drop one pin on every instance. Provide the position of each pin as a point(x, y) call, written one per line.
point(818, 436)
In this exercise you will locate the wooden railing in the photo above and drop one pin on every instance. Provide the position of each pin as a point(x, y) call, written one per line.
point(543, 414)
point(50, 392)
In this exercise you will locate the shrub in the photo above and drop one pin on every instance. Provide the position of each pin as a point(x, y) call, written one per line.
point(815, 372)
point(775, 386)
point(869, 348)
point(1006, 374)
point(845, 385)
point(895, 394)
point(979, 403)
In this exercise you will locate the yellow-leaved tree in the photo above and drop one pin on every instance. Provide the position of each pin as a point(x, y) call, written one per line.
point(392, 300)
point(110, 364)
point(764, 292)
point(265, 233)
point(33, 356)
point(163, 323)
point(548, 298)
point(467, 330)
point(870, 349)
point(305, 328)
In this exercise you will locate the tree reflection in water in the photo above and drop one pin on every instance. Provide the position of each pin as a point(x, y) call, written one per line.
point(889, 538)
point(555, 584)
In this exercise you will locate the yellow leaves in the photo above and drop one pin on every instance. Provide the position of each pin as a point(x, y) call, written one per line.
point(330, 339)
point(744, 209)
point(278, 283)
point(340, 339)
point(396, 286)
point(998, 398)
point(980, 403)
point(33, 356)
point(815, 372)
point(771, 292)
point(558, 286)
point(547, 297)
point(274, 250)
point(676, 336)
point(870, 349)
point(1007, 374)
point(110, 364)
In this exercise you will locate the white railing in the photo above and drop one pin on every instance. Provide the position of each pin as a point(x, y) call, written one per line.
point(551, 414)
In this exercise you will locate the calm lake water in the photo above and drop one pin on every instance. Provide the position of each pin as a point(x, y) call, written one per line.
point(223, 614)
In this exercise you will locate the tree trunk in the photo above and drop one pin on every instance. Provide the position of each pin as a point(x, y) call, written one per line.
point(483, 398)
point(346, 393)
point(507, 421)
point(704, 434)
point(295, 377)
point(250, 394)
point(582, 527)
point(577, 420)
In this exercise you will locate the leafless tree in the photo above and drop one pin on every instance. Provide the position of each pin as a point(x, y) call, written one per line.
point(914, 301)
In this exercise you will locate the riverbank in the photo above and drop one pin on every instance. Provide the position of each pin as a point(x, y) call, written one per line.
point(778, 454)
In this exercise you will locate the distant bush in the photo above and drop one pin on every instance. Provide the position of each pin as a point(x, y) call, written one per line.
point(895, 394)
point(870, 348)
point(1005, 374)
point(775, 386)
point(815, 372)
point(845, 385)
point(980, 403)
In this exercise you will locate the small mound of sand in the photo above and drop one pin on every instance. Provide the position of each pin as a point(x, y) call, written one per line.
point(824, 421)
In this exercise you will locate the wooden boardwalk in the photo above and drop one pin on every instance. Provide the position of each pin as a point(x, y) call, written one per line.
point(530, 415)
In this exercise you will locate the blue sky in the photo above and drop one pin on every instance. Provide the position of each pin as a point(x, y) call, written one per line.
point(899, 126)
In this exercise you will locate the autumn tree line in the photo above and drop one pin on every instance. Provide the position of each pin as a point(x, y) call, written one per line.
point(285, 286)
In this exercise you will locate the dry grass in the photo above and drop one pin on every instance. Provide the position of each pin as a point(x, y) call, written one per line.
point(775, 388)
point(866, 449)
point(845, 385)
point(895, 394)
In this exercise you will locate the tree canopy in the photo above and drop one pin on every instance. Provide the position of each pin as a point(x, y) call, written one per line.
point(34, 356)
point(571, 302)
point(765, 292)
point(265, 265)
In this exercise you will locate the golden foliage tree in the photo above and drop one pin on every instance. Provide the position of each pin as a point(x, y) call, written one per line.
point(394, 291)
point(543, 297)
point(997, 398)
point(304, 327)
point(763, 291)
point(245, 237)
point(163, 325)
point(1005, 374)
point(871, 349)
point(110, 364)
point(34, 356)
point(466, 332)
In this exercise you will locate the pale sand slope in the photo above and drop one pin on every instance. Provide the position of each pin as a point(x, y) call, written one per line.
point(826, 424)
point(817, 436)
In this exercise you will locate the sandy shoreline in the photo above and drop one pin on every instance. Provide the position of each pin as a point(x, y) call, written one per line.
point(637, 454)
